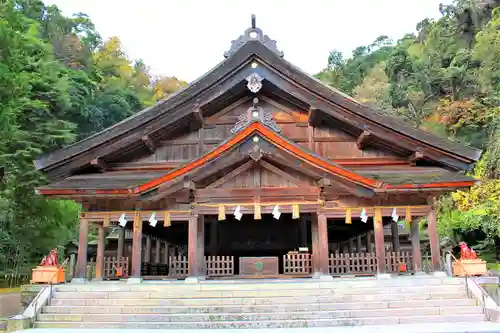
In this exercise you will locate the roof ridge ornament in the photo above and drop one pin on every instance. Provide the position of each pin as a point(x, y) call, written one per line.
point(253, 33)
point(255, 113)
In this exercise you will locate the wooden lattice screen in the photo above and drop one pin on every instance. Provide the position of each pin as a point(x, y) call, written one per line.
point(219, 265)
point(110, 265)
point(393, 260)
point(353, 263)
point(297, 264)
point(178, 266)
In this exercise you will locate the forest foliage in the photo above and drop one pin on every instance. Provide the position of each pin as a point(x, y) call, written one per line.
point(444, 79)
point(59, 82)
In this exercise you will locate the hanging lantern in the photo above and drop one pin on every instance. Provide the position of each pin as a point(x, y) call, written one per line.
point(166, 219)
point(257, 214)
point(295, 211)
point(222, 213)
point(348, 216)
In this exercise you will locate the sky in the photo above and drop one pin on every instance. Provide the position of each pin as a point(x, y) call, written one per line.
point(187, 38)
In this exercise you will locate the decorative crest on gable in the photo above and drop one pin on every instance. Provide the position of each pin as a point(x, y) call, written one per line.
point(255, 112)
point(254, 82)
point(253, 33)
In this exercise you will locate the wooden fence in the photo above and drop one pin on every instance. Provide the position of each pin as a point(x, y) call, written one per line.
point(178, 266)
point(353, 263)
point(297, 264)
point(113, 263)
point(395, 262)
point(219, 265)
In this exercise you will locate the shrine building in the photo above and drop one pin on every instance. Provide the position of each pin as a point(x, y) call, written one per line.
point(257, 169)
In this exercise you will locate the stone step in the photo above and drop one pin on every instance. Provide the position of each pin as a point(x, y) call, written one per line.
point(332, 298)
point(263, 308)
point(265, 323)
point(276, 285)
point(254, 293)
point(277, 316)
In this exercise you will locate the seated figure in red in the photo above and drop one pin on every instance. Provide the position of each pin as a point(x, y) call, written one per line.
point(466, 252)
point(51, 259)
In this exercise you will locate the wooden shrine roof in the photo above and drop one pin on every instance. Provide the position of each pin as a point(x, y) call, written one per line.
point(189, 103)
point(137, 183)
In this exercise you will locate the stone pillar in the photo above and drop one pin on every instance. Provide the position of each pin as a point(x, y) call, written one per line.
point(350, 245)
point(368, 241)
point(81, 263)
point(358, 244)
point(415, 246)
point(395, 237)
point(121, 242)
point(147, 255)
point(379, 241)
point(136, 249)
point(214, 230)
point(99, 265)
point(434, 240)
point(157, 251)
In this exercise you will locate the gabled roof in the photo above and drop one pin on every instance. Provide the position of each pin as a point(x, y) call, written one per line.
point(329, 101)
point(133, 183)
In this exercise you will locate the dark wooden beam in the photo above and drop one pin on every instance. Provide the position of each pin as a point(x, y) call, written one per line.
point(313, 116)
point(198, 116)
point(282, 173)
point(242, 168)
point(413, 158)
point(204, 195)
point(148, 142)
point(362, 139)
point(100, 164)
point(167, 189)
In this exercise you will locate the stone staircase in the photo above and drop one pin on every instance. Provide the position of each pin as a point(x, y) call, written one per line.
point(261, 304)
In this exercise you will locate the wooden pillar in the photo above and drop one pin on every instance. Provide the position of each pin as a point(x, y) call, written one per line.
point(323, 244)
point(193, 247)
point(434, 240)
point(81, 263)
point(350, 245)
point(166, 254)
point(303, 231)
point(99, 265)
point(379, 240)
point(157, 251)
point(201, 245)
point(415, 246)
point(147, 255)
point(121, 242)
point(214, 230)
point(395, 237)
point(358, 244)
point(368, 241)
point(137, 247)
point(315, 245)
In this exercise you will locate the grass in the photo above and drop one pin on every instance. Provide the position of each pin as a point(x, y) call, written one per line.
point(9, 290)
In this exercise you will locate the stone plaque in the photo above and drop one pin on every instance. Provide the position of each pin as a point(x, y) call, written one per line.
point(259, 266)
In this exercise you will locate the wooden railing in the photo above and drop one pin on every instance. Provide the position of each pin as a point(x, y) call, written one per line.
point(219, 265)
point(111, 264)
point(394, 262)
point(178, 266)
point(297, 264)
point(353, 263)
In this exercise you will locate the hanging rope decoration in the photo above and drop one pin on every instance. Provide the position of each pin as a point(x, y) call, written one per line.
point(222, 213)
point(105, 222)
point(295, 211)
point(257, 214)
point(166, 219)
point(348, 216)
point(408, 214)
